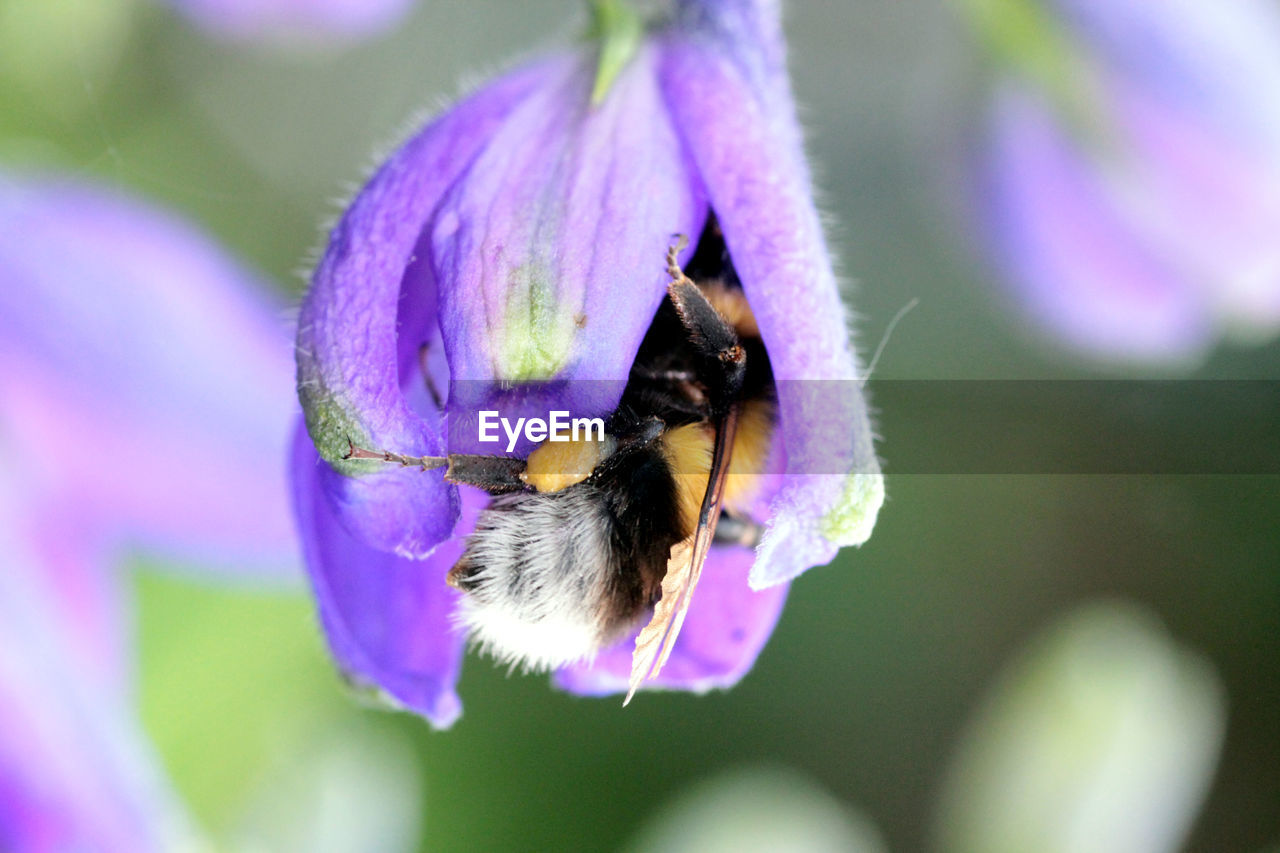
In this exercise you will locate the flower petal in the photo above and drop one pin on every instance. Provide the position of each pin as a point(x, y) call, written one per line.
point(754, 27)
point(1217, 61)
point(1080, 264)
point(144, 398)
point(1167, 180)
point(293, 19)
point(144, 381)
point(387, 618)
point(727, 626)
point(87, 599)
point(553, 245)
point(349, 340)
point(76, 772)
point(1210, 201)
point(751, 161)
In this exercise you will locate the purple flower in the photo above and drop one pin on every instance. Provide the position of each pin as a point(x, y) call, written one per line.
point(1133, 199)
point(511, 254)
point(145, 406)
point(293, 19)
point(76, 772)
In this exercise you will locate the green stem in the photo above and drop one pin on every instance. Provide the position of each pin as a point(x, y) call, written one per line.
point(619, 29)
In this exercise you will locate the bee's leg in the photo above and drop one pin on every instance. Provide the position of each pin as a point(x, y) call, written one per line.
point(460, 577)
point(497, 475)
point(463, 575)
point(426, 463)
point(733, 530)
point(664, 375)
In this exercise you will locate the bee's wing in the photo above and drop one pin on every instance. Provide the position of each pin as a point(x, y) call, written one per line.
point(684, 567)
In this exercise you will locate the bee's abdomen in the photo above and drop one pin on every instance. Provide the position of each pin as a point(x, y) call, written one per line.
point(643, 499)
point(537, 576)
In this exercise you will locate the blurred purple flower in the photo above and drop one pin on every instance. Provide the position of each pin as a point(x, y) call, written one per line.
point(144, 403)
point(518, 240)
point(1142, 227)
point(76, 771)
point(294, 19)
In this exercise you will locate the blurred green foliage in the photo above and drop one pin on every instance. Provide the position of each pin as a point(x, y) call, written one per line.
point(230, 681)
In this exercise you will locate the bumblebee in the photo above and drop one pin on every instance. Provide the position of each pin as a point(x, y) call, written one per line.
point(585, 538)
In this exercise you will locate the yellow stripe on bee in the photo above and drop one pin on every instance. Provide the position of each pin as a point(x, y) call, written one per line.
point(688, 451)
point(751, 445)
point(731, 303)
point(689, 448)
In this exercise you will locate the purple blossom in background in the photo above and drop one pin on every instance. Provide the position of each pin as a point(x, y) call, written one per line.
point(1145, 229)
point(294, 19)
point(144, 403)
point(76, 771)
point(519, 240)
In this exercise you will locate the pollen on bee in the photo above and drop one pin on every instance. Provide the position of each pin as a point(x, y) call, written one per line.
point(559, 464)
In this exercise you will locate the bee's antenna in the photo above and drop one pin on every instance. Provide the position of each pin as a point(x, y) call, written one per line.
point(426, 463)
